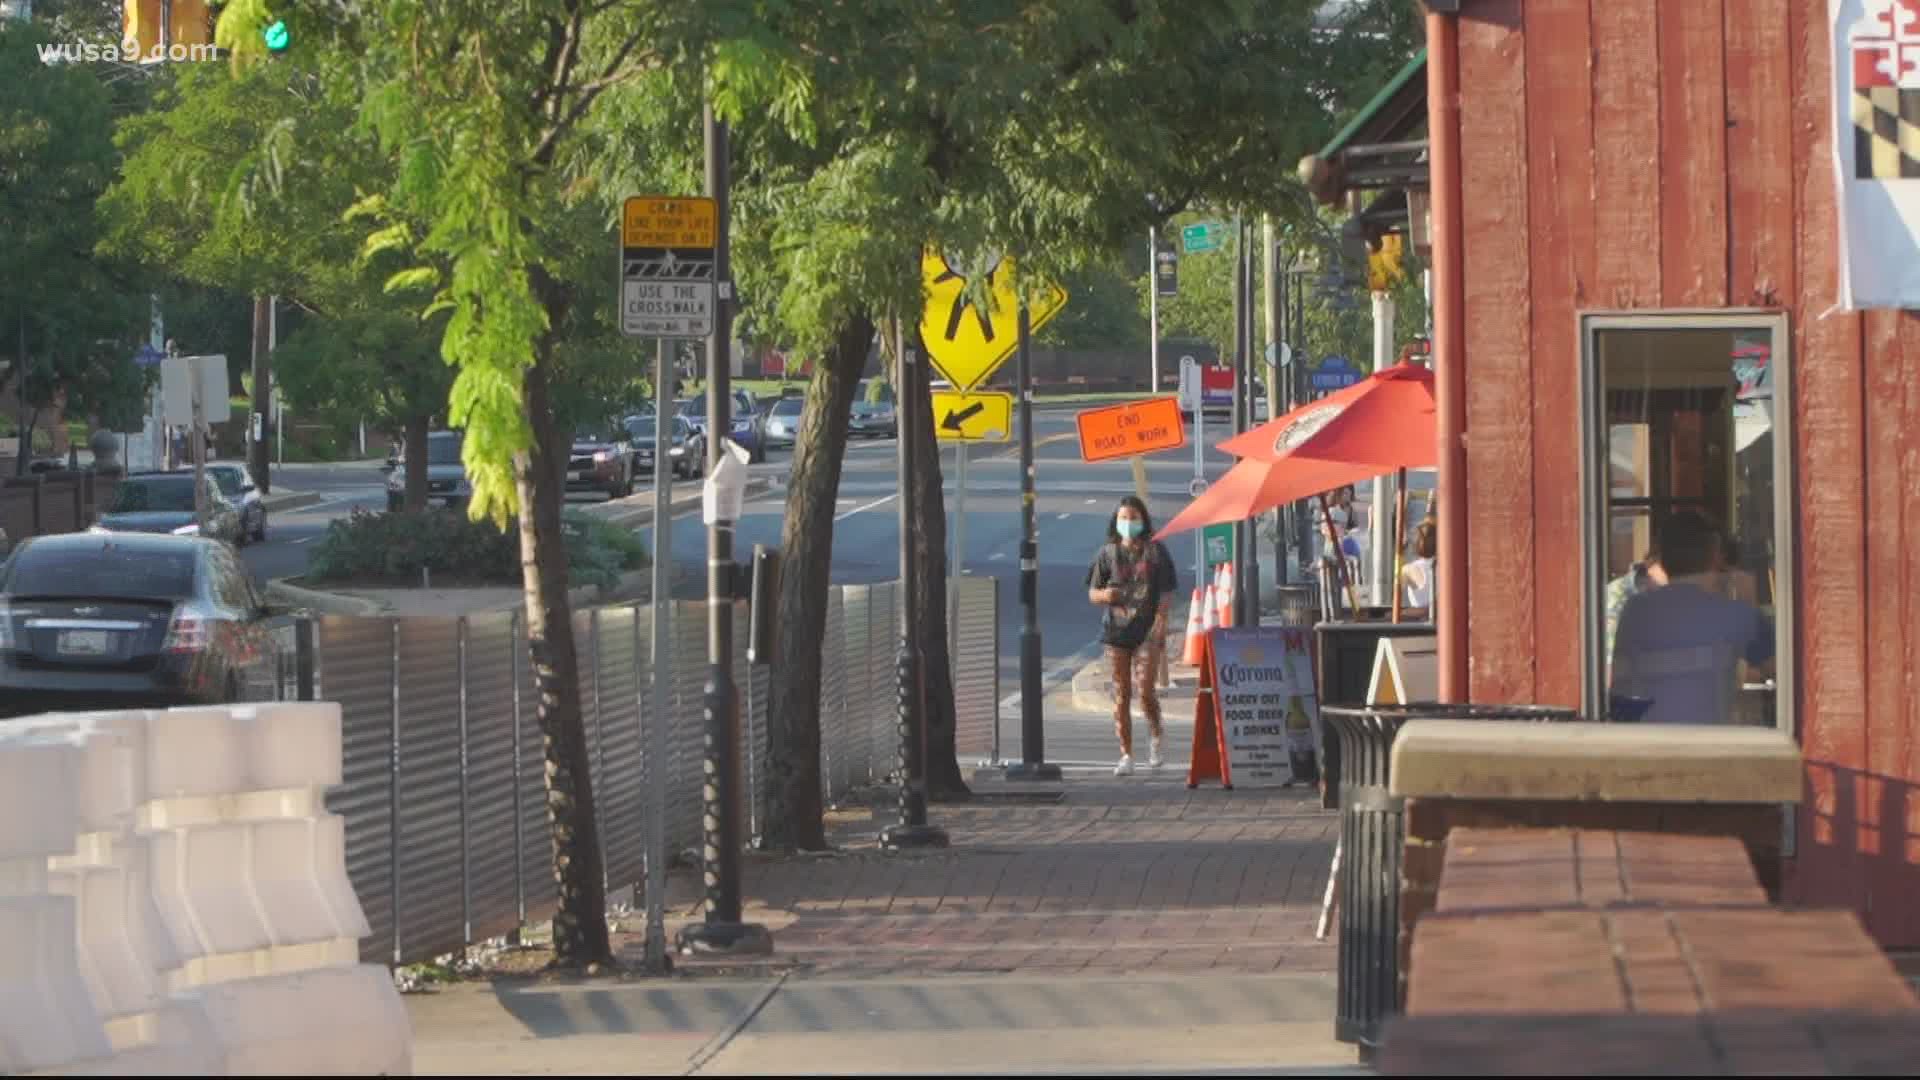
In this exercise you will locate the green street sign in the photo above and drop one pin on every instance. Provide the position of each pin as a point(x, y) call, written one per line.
point(1206, 236)
point(1217, 542)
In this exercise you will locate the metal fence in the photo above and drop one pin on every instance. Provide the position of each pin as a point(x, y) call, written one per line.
point(444, 787)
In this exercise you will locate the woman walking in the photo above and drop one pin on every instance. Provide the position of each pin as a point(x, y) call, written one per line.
point(1133, 578)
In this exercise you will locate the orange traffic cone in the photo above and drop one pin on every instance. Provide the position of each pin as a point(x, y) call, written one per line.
point(1190, 652)
point(1225, 595)
point(1209, 612)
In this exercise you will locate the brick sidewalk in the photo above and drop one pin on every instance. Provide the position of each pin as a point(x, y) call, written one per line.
point(1118, 876)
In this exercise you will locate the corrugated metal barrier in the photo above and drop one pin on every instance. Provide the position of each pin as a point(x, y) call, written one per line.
point(444, 792)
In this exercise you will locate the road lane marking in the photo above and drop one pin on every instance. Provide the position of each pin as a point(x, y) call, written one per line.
point(1062, 672)
point(302, 540)
point(858, 509)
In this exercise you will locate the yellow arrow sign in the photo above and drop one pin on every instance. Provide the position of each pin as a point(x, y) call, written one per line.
point(976, 416)
point(964, 342)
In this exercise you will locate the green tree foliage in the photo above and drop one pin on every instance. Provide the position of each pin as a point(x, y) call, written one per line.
point(69, 321)
point(487, 112)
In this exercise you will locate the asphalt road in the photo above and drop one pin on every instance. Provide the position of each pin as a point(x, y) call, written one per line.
point(1073, 501)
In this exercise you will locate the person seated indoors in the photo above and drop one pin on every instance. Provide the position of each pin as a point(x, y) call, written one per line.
point(1680, 645)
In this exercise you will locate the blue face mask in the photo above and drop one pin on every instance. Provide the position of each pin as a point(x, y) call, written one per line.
point(1130, 528)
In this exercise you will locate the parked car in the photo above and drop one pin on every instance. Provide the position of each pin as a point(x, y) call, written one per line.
point(98, 620)
point(446, 473)
point(602, 460)
point(688, 448)
point(873, 420)
point(162, 502)
point(237, 485)
point(782, 421)
point(746, 428)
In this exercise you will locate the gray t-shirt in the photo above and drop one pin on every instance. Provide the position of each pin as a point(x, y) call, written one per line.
point(1679, 645)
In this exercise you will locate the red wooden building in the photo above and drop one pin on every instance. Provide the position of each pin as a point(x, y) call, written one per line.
point(1636, 258)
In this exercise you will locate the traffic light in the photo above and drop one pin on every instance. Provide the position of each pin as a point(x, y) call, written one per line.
point(277, 36)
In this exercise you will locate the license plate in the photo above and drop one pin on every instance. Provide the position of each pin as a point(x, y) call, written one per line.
point(83, 642)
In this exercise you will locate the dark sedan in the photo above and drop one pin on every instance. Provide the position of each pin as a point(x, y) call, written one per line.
point(873, 420)
point(102, 620)
point(686, 447)
point(162, 502)
point(602, 460)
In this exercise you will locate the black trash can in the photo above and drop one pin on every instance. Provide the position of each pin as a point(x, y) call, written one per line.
point(1372, 840)
point(1343, 659)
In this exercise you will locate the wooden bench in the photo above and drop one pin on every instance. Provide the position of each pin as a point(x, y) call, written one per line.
point(1609, 953)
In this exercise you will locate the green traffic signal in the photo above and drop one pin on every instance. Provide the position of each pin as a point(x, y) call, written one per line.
point(277, 36)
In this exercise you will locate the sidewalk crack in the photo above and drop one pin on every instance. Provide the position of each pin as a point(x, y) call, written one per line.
point(720, 1041)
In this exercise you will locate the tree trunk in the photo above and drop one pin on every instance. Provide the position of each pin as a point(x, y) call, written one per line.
point(580, 938)
point(944, 780)
point(806, 564)
point(414, 455)
point(262, 397)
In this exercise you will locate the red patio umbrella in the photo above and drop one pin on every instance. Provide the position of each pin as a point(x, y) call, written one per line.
point(1385, 420)
point(1253, 487)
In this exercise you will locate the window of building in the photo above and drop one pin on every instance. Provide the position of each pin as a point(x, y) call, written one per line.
point(1687, 512)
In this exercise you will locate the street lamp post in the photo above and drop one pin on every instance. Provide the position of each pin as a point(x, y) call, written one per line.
point(723, 931)
point(1033, 750)
point(912, 830)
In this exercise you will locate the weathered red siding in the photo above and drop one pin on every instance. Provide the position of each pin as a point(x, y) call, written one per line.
point(1592, 186)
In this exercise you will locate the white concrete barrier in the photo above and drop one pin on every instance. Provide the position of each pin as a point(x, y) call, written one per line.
point(174, 899)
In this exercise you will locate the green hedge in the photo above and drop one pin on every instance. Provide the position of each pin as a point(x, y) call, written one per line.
point(393, 549)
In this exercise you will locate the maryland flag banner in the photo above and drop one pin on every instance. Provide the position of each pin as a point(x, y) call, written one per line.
point(1876, 149)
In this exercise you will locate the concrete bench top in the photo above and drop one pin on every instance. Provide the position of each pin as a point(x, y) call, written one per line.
point(1503, 759)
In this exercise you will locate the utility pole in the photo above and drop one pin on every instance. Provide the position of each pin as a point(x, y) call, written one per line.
point(723, 931)
point(1153, 307)
point(910, 690)
point(1276, 357)
point(262, 392)
point(1033, 751)
point(1246, 584)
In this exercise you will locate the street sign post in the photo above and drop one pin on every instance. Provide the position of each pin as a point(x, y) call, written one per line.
point(1166, 273)
point(667, 281)
point(1206, 236)
point(975, 416)
point(966, 343)
point(1219, 542)
point(1138, 427)
point(1334, 373)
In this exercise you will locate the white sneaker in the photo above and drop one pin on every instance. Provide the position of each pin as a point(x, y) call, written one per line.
point(1154, 760)
point(1125, 768)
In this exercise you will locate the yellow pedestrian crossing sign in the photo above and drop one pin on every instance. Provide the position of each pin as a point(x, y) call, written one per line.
point(965, 343)
point(977, 416)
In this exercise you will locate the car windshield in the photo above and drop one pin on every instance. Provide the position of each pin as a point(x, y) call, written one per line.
point(443, 450)
point(105, 570)
point(641, 427)
point(138, 494)
point(594, 433)
point(228, 480)
point(788, 407)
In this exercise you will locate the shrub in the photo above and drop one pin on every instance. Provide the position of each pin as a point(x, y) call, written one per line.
point(393, 549)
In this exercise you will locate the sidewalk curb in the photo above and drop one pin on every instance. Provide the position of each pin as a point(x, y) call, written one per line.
point(326, 603)
point(636, 510)
point(291, 500)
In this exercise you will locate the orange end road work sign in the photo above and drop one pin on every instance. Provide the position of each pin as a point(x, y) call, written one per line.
point(1138, 427)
